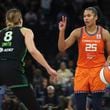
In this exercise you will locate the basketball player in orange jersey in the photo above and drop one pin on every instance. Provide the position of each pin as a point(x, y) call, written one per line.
point(91, 41)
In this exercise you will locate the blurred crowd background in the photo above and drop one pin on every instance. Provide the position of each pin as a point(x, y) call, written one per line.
point(42, 16)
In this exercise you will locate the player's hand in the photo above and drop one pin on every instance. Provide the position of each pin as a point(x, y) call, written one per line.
point(63, 23)
point(108, 60)
point(52, 73)
point(108, 47)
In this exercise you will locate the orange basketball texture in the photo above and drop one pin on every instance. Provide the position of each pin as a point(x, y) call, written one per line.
point(105, 75)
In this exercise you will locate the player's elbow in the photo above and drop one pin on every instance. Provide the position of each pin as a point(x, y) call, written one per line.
point(61, 49)
point(32, 51)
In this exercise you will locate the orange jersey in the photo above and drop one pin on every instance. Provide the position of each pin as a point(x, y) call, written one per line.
point(91, 49)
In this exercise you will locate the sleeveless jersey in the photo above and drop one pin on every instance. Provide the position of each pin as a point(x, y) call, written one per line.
point(91, 49)
point(12, 45)
point(12, 55)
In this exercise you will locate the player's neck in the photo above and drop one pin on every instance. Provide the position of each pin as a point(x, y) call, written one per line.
point(9, 24)
point(91, 29)
point(13, 26)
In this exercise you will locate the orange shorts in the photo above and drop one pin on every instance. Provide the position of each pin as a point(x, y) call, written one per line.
point(88, 80)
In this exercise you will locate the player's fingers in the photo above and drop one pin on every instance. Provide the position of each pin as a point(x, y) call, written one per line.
point(65, 19)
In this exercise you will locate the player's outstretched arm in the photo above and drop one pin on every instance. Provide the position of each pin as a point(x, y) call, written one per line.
point(63, 43)
point(29, 42)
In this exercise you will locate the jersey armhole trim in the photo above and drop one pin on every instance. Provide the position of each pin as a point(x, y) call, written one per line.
point(101, 29)
point(81, 33)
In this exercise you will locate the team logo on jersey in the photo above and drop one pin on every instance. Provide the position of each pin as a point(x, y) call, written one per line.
point(6, 50)
point(98, 36)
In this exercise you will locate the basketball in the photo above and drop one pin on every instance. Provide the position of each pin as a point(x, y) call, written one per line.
point(105, 75)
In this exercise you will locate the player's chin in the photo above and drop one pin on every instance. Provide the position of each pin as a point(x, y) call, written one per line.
point(88, 24)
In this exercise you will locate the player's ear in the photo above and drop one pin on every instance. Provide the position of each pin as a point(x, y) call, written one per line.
point(21, 21)
point(96, 17)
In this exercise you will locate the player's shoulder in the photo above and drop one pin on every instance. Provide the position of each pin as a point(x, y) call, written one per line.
point(78, 29)
point(77, 32)
point(105, 33)
point(104, 30)
point(25, 29)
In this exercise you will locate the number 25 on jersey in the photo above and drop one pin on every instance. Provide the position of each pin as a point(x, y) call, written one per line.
point(91, 47)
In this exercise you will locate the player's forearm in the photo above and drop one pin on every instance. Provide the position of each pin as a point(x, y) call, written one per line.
point(61, 41)
point(40, 59)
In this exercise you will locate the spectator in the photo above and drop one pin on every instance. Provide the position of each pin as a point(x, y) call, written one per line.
point(71, 66)
point(64, 74)
point(51, 100)
point(31, 17)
